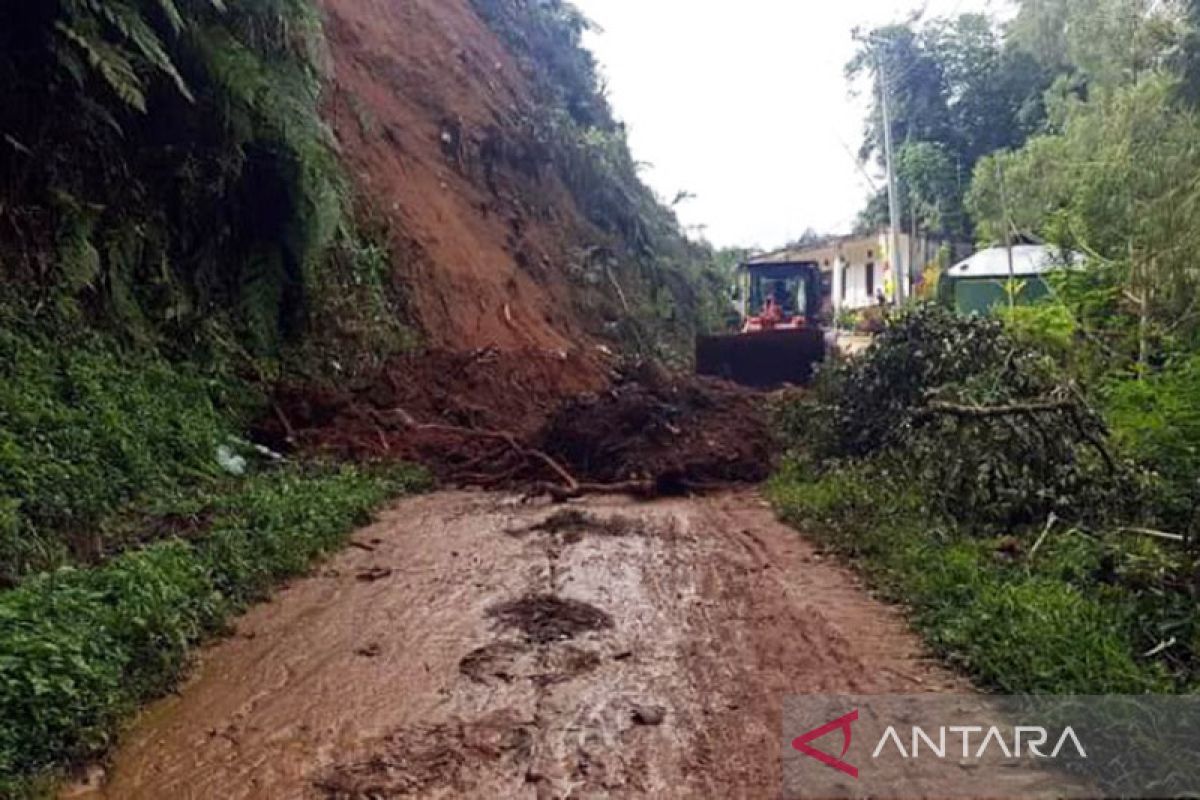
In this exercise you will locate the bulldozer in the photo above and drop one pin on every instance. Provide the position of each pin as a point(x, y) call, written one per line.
point(781, 340)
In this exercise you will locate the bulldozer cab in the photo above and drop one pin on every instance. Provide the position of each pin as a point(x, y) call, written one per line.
point(781, 341)
point(794, 288)
point(788, 292)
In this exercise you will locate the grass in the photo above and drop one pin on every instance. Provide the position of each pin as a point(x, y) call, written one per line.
point(1042, 625)
point(86, 426)
point(81, 649)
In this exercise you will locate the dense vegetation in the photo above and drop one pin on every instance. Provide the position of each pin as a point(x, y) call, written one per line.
point(965, 87)
point(165, 172)
point(1028, 483)
point(174, 231)
point(971, 477)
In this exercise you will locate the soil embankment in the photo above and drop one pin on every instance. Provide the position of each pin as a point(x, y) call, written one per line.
point(472, 646)
point(434, 121)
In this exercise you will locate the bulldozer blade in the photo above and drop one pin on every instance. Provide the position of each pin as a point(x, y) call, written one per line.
point(762, 360)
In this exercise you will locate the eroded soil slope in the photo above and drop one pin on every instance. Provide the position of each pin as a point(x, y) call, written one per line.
point(433, 119)
point(472, 646)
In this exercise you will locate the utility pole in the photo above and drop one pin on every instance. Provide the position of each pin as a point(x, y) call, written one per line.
point(899, 270)
point(1008, 243)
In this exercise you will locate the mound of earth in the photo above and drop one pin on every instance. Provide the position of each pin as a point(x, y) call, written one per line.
point(485, 389)
point(534, 420)
point(678, 433)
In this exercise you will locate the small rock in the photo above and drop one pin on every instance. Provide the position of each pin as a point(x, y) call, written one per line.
point(374, 574)
point(649, 715)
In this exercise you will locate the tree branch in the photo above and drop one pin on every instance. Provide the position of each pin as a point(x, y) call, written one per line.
point(984, 412)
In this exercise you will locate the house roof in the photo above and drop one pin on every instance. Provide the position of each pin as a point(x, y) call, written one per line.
point(813, 251)
point(1028, 259)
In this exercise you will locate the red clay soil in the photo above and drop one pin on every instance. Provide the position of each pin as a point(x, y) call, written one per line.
point(434, 119)
point(432, 116)
point(491, 418)
point(677, 433)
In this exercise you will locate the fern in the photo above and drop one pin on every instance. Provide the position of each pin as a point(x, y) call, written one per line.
point(171, 12)
point(91, 26)
point(174, 123)
point(112, 64)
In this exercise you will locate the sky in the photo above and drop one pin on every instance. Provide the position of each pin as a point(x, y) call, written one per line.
point(744, 103)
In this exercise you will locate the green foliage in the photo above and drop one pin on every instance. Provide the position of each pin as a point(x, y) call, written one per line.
point(1014, 627)
point(1119, 183)
point(921, 351)
point(1157, 419)
point(1116, 177)
point(956, 93)
point(547, 35)
point(164, 164)
point(1100, 43)
point(79, 650)
point(84, 428)
point(356, 317)
point(1047, 326)
point(1078, 121)
point(909, 402)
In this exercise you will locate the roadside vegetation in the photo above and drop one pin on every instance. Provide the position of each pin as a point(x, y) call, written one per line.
point(175, 235)
point(80, 649)
point(1027, 484)
point(970, 477)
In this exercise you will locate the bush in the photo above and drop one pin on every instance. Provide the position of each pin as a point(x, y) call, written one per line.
point(1157, 420)
point(913, 400)
point(1047, 326)
point(80, 649)
point(921, 351)
point(85, 427)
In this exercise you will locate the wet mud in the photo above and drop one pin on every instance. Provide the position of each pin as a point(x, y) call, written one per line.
point(482, 647)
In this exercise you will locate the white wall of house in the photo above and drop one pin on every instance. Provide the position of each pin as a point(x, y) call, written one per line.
point(855, 253)
point(859, 292)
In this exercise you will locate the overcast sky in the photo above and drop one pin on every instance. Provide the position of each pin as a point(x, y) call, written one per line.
point(744, 103)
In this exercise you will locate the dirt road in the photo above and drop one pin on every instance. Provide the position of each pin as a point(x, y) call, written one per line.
point(470, 646)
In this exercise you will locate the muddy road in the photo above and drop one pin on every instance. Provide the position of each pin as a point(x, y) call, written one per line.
point(469, 646)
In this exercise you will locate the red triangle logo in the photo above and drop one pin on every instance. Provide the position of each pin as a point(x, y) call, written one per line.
point(801, 743)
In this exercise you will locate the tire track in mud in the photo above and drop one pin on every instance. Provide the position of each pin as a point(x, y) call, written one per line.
point(615, 649)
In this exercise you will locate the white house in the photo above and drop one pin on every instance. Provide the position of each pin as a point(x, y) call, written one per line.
point(855, 269)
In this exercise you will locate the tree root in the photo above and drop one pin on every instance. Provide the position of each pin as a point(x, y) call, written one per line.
point(568, 486)
point(569, 481)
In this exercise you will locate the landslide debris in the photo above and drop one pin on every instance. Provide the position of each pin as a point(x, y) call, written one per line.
point(677, 433)
point(534, 420)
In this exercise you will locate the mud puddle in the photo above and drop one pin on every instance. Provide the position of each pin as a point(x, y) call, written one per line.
point(615, 649)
